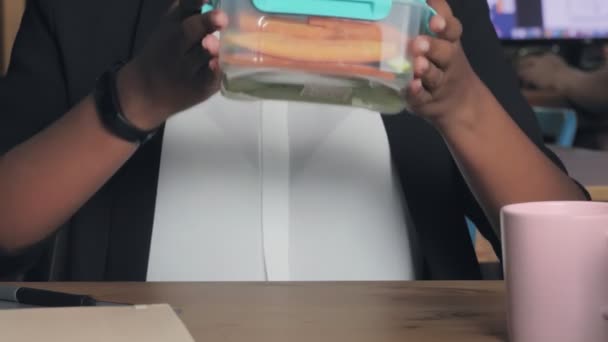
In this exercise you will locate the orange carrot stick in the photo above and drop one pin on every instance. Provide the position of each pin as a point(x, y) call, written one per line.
point(308, 50)
point(352, 29)
point(252, 23)
point(338, 69)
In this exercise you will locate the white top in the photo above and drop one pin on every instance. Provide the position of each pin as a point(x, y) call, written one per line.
point(253, 191)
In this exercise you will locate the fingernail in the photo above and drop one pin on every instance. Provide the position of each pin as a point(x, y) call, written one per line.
point(441, 23)
point(210, 43)
point(423, 45)
point(416, 86)
point(221, 18)
point(424, 65)
point(214, 64)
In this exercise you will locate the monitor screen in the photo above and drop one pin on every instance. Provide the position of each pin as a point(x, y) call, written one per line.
point(550, 19)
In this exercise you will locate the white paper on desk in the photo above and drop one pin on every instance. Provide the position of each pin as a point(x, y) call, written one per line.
point(150, 323)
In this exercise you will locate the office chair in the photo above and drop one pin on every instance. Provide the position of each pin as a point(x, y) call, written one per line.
point(558, 124)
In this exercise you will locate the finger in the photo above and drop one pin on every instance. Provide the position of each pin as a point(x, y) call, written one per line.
point(530, 77)
point(416, 95)
point(428, 73)
point(198, 26)
point(214, 65)
point(209, 76)
point(421, 66)
point(212, 45)
point(439, 52)
point(528, 63)
point(202, 61)
point(198, 60)
point(526, 70)
point(448, 28)
point(442, 7)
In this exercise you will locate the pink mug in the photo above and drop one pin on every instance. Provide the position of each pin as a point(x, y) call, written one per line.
point(556, 269)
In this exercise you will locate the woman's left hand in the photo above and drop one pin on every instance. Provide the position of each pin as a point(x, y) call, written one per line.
point(445, 88)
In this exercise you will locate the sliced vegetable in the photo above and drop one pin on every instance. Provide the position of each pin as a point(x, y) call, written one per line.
point(322, 50)
point(361, 30)
point(252, 23)
point(400, 65)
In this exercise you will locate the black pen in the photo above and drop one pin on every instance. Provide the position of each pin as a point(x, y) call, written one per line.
point(44, 298)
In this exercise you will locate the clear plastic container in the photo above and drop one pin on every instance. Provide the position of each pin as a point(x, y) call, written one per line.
point(340, 52)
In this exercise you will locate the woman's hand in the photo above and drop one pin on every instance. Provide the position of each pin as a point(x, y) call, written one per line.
point(546, 72)
point(499, 162)
point(445, 87)
point(177, 69)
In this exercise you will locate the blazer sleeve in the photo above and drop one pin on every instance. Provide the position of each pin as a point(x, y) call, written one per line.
point(486, 55)
point(32, 96)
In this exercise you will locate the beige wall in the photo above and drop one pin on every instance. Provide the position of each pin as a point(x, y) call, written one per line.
point(10, 17)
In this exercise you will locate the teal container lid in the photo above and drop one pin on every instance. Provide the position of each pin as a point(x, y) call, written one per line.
point(208, 7)
point(371, 10)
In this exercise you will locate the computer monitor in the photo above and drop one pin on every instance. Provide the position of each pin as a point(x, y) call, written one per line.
point(520, 20)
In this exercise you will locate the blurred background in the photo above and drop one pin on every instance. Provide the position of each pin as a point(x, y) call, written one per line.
point(568, 27)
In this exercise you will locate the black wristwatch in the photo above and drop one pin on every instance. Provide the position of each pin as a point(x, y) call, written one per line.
point(110, 111)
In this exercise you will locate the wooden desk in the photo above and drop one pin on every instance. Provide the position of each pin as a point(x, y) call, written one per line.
point(485, 252)
point(332, 312)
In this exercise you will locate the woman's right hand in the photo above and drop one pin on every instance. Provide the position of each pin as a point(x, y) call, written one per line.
point(545, 72)
point(177, 69)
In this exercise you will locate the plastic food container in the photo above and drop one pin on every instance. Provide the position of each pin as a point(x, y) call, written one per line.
point(340, 52)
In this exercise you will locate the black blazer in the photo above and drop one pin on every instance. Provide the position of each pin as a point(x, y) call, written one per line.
point(64, 45)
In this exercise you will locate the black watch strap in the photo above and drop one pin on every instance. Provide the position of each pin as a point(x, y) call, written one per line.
point(110, 111)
